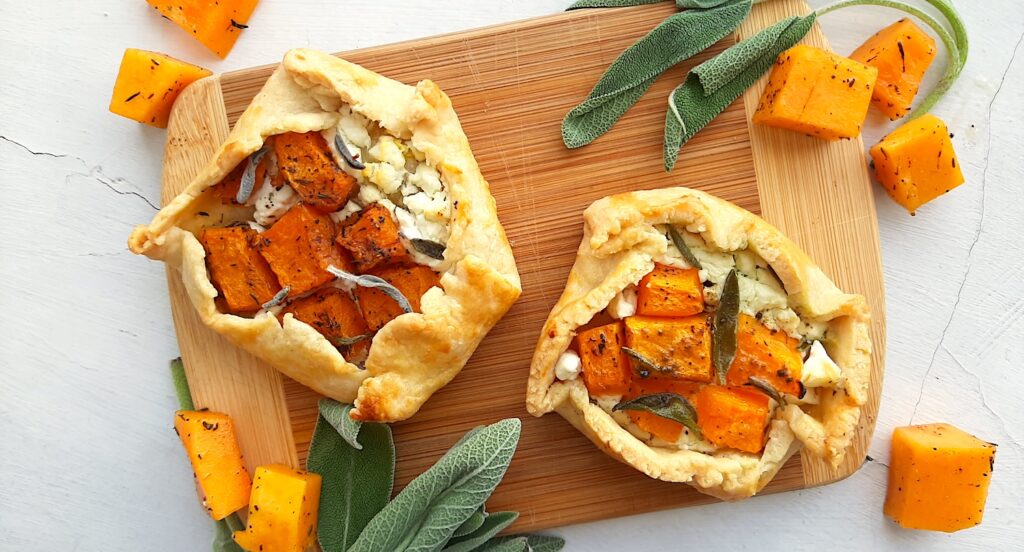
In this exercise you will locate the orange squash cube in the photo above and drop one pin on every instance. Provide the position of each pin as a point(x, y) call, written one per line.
point(148, 83)
point(916, 163)
point(733, 417)
point(335, 315)
point(670, 291)
point(216, 24)
point(662, 428)
point(299, 247)
point(237, 270)
point(902, 53)
point(938, 478)
point(283, 511)
point(413, 281)
point(681, 346)
point(770, 355)
point(305, 163)
point(212, 447)
point(371, 236)
point(817, 93)
point(606, 369)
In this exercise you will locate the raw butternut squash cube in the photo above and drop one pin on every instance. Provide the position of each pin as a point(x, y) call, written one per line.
point(282, 510)
point(212, 447)
point(733, 417)
point(670, 291)
point(679, 347)
point(413, 281)
point(371, 236)
point(306, 164)
point(216, 24)
point(336, 316)
point(770, 355)
point(938, 477)
point(916, 162)
point(606, 369)
point(662, 428)
point(902, 53)
point(299, 247)
point(148, 83)
point(237, 270)
point(817, 93)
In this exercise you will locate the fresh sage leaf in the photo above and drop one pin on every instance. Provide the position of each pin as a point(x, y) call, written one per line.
point(277, 298)
point(371, 281)
point(766, 388)
point(710, 87)
point(545, 543)
point(429, 510)
point(581, 4)
point(493, 525)
point(472, 524)
point(248, 183)
point(181, 390)
point(667, 405)
point(337, 414)
point(679, 37)
point(356, 483)
point(677, 240)
point(723, 346)
point(506, 544)
point(429, 248)
point(346, 153)
point(223, 541)
point(646, 365)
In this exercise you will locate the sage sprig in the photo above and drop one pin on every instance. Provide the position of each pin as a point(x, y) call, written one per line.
point(646, 365)
point(581, 4)
point(248, 182)
point(337, 414)
point(766, 388)
point(488, 529)
point(723, 339)
point(472, 524)
point(667, 405)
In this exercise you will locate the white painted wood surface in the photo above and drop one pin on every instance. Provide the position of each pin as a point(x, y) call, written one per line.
point(88, 461)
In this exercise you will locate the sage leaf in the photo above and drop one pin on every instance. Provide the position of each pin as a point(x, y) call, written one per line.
point(472, 524)
point(223, 541)
point(646, 365)
point(679, 37)
point(348, 341)
point(493, 525)
point(677, 240)
point(506, 544)
point(429, 248)
point(337, 414)
point(181, 390)
point(429, 510)
point(371, 281)
point(248, 182)
point(710, 87)
point(666, 405)
point(581, 4)
point(723, 346)
point(346, 153)
point(545, 543)
point(766, 388)
point(277, 298)
point(356, 483)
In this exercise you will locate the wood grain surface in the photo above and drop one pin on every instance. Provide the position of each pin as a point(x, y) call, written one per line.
point(511, 85)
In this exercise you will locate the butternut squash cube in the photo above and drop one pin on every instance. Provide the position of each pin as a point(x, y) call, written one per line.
point(299, 247)
point(371, 236)
point(216, 24)
point(306, 164)
point(817, 93)
point(237, 270)
point(282, 510)
point(336, 316)
point(770, 355)
point(662, 428)
point(679, 347)
point(916, 162)
point(670, 291)
point(733, 417)
point(148, 83)
point(606, 369)
point(212, 447)
point(902, 53)
point(413, 281)
point(938, 478)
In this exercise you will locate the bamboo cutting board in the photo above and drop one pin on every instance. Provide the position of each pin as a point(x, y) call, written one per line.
point(511, 85)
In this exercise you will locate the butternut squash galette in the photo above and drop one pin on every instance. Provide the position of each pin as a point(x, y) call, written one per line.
point(698, 344)
point(344, 234)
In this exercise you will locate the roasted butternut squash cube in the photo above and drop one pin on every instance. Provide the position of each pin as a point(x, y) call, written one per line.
point(243, 278)
point(817, 93)
point(680, 348)
point(662, 428)
point(902, 53)
point(216, 24)
point(916, 163)
point(413, 281)
point(733, 417)
point(606, 369)
point(371, 236)
point(938, 478)
point(212, 446)
point(770, 355)
point(670, 291)
point(336, 316)
point(148, 83)
point(306, 164)
point(282, 510)
point(299, 247)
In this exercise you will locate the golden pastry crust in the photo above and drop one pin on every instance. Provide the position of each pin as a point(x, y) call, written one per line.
point(417, 353)
point(620, 243)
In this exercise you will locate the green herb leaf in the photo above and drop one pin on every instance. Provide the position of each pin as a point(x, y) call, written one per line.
point(248, 182)
point(371, 281)
point(711, 86)
point(506, 544)
point(223, 541)
point(646, 365)
point(181, 389)
point(432, 249)
point(545, 543)
point(472, 524)
point(723, 346)
point(337, 414)
point(677, 240)
point(766, 388)
point(493, 525)
point(581, 4)
point(277, 298)
point(679, 37)
point(429, 510)
point(667, 405)
point(356, 483)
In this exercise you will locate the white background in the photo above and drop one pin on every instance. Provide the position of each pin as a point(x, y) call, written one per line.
point(88, 461)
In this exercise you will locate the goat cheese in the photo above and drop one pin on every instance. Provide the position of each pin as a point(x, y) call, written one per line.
point(623, 304)
point(819, 369)
point(568, 366)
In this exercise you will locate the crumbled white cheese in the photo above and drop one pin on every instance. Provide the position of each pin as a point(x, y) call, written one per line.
point(415, 226)
point(350, 208)
point(819, 369)
point(623, 304)
point(716, 264)
point(757, 296)
point(369, 194)
point(385, 176)
point(568, 366)
point(272, 203)
point(427, 179)
point(258, 228)
point(433, 208)
point(353, 127)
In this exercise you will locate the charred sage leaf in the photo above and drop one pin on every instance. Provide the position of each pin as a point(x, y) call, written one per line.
point(667, 405)
point(371, 281)
point(429, 248)
point(336, 414)
point(181, 390)
point(346, 154)
point(723, 347)
point(277, 298)
point(348, 341)
point(646, 365)
point(491, 526)
point(472, 524)
point(248, 183)
point(766, 388)
point(677, 240)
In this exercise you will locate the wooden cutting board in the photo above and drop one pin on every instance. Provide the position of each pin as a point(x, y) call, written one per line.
point(511, 85)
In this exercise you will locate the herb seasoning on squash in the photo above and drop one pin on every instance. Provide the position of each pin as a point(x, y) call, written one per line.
point(148, 83)
point(212, 447)
point(902, 53)
point(606, 368)
point(733, 417)
point(243, 277)
point(283, 510)
point(299, 247)
point(216, 25)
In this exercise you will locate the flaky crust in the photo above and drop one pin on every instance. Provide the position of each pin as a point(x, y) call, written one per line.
point(620, 243)
point(417, 353)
